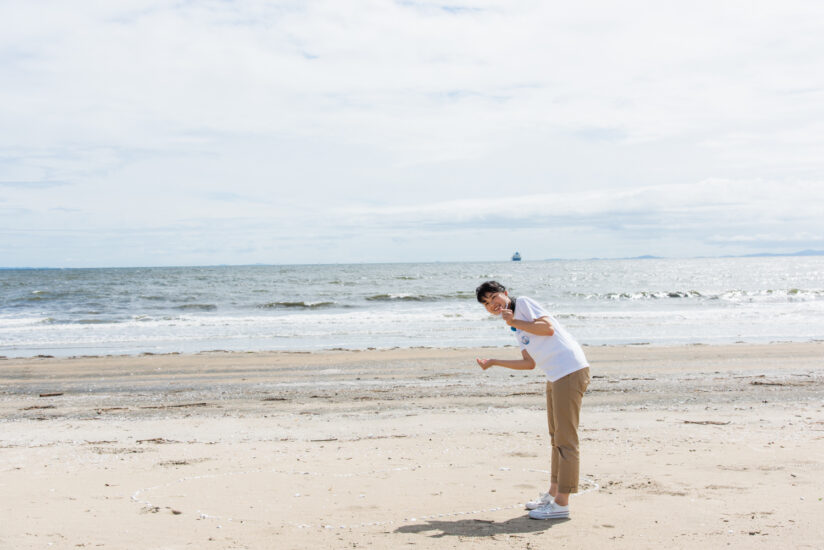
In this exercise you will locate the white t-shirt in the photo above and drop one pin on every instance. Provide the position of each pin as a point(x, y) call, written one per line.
point(557, 355)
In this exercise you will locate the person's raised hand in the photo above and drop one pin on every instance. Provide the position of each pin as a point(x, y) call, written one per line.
point(508, 316)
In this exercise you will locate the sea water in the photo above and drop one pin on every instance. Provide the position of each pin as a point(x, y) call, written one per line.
point(64, 312)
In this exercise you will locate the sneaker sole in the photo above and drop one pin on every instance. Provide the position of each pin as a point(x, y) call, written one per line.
point(551, 516)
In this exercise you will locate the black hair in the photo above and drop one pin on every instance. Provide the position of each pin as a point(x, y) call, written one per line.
point(489, 287)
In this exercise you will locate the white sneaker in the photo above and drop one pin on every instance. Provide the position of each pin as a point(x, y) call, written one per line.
point(550, 511)
point(542, 500)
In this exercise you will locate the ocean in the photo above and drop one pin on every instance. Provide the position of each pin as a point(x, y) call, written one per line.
point(68, 312)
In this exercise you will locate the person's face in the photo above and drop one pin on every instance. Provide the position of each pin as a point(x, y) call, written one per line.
point(496, 302)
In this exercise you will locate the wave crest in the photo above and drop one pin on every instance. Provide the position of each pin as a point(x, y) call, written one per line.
point(196, 307)
point(296, 305)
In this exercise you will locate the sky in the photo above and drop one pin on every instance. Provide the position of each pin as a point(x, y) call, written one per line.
point(237, 132)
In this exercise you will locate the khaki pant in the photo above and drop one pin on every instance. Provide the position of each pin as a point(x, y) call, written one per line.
point(563, 408)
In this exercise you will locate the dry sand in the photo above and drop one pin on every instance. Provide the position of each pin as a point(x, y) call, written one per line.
point(696, 446)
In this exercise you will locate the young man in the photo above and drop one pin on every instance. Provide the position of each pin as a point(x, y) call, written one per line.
point(545, 343)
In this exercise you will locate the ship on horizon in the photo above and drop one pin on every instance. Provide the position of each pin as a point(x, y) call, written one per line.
point(516, 257)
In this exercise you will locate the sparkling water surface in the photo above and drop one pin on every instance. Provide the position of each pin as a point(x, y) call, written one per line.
point(65, 312)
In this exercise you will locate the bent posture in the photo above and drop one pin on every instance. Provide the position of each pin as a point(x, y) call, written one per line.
point(545, 343)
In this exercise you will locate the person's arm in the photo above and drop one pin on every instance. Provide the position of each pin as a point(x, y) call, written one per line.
point(526, 363)
point(540, 326)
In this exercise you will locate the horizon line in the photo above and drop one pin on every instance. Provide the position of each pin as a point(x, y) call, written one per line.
point(800, 253)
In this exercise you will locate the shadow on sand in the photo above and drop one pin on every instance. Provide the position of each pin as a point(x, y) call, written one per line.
point(478, 527)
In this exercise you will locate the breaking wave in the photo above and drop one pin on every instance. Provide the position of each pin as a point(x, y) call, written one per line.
point(737, 295)
point(296, 305)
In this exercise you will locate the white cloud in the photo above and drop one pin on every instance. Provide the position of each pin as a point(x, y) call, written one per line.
point(408, 117)
point(762, 197)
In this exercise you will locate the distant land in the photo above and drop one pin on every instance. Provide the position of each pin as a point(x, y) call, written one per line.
point(644, 257)
point(759, 255)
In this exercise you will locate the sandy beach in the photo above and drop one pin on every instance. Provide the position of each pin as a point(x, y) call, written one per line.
point(693, 446)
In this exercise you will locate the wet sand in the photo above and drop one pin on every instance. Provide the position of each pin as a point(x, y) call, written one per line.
point(707, 446)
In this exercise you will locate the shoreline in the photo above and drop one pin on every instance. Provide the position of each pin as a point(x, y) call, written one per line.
point(681, 446)
point(400, 348)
